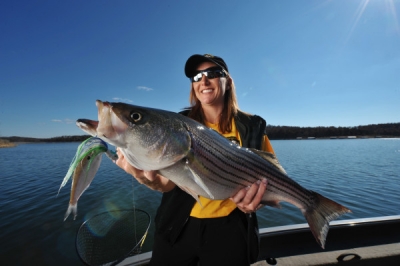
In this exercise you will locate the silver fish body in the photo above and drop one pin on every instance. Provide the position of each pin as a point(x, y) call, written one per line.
point(202, 162)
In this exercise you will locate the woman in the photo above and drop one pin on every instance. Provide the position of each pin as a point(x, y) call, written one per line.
point(215, 232)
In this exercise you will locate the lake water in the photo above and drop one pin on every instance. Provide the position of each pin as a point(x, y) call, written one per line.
point(362, 174)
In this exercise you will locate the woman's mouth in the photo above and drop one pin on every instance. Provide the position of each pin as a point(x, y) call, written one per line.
point(206, 91)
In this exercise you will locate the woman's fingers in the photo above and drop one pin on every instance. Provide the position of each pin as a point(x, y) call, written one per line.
point(248, 199)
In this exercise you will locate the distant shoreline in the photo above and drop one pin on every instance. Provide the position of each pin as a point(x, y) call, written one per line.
point(8, 142)
point(388, 130)
point(8, 145)
point(4, 143)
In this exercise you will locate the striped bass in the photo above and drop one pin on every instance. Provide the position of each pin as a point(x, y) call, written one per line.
point(202, 162)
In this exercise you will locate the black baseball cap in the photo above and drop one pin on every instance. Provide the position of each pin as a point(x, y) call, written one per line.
point(197, 59)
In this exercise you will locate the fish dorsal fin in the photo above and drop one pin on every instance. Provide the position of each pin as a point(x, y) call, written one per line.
point(270, 157)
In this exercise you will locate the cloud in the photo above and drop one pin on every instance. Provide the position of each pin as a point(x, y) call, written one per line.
point(244, 94)
point(144, 88)
point(66, 121)
point(122, 100)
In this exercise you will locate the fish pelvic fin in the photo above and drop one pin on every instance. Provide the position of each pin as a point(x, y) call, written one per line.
point(319, 214)
point(71, 208)
point(200, 182)
point(272, 203)
point(192, 193)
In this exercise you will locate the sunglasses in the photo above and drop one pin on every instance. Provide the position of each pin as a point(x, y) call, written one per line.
point(210, 73)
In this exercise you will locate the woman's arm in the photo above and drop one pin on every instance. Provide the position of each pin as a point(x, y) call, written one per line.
point(151, 179)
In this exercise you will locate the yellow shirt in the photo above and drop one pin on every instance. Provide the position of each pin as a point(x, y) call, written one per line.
point(220, 208)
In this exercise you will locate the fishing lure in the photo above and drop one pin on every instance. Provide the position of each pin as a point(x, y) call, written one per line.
point(84, 167)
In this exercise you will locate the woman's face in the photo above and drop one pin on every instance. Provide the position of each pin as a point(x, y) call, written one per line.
point(209, 91)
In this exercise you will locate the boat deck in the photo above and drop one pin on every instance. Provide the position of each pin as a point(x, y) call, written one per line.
point(376, 255)
point(372, 241)
point(373, 255)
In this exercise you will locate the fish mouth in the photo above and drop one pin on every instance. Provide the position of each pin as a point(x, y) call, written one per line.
point(110, 126)
point(104, 110)
point(87, 125)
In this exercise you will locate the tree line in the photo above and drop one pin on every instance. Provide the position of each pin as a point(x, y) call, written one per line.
point(75, 138)
point(372, 131)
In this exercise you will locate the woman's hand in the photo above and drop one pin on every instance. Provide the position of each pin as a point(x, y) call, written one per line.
point(248, 199)
point(152, 179)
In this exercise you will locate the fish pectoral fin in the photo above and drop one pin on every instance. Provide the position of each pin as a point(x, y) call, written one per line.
point(192, 193)
point(200, 182)
point(270, 157)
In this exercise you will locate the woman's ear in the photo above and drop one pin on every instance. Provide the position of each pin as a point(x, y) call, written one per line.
point(229, 83)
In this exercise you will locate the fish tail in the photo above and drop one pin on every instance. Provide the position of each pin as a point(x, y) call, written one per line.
point(71, 208)
point(319, 214)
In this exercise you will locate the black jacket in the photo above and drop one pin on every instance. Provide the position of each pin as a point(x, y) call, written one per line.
point(176, 205)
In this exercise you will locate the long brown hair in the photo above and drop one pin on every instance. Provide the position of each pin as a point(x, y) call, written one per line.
point(230, 109)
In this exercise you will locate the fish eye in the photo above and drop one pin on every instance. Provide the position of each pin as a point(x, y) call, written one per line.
point(136, 117)
point(88, 157)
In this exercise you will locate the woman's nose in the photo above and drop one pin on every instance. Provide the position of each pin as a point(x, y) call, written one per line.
point(204, 79)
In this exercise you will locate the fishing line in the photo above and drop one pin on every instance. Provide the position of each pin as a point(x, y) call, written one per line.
point(134, 206)
point(113, 156)
point(138, 249)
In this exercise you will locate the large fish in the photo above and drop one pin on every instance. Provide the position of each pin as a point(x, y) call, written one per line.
point(84, 167)
point(202, 162)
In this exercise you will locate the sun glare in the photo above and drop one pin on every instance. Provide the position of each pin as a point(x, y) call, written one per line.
point(389, 7)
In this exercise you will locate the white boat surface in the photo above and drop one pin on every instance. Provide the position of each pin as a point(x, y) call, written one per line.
point(368, 241)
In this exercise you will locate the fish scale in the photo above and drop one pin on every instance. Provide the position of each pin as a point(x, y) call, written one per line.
point(228, 162)
point(225, 160)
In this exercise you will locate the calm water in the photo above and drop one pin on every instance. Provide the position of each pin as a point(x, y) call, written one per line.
point(362, 174)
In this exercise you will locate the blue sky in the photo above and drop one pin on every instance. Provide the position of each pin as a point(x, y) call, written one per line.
point(295, 63)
